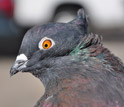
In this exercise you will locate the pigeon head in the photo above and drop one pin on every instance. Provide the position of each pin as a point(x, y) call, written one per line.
point(45, 42)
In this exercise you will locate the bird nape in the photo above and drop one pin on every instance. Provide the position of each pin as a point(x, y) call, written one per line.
point(74, 66)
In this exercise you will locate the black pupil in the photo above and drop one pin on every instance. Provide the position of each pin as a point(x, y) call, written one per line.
point(46, 45)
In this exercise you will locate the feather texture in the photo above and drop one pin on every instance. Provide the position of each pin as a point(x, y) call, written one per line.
point(78, 71)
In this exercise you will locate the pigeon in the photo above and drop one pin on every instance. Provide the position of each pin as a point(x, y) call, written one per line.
point(74, 66)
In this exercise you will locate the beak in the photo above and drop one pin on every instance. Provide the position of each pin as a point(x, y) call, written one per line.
point(18, 66)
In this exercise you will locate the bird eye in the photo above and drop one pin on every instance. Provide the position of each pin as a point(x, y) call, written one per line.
point(46, 43)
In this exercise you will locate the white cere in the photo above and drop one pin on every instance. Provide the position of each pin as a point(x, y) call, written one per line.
point(21, 57)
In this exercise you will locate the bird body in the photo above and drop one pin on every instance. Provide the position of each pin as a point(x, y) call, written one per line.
point(74, 66)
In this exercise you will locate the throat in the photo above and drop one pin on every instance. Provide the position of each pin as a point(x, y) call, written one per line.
point(54, 70)
point(48, 79)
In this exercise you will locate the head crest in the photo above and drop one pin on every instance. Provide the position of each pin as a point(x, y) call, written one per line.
point(81, 20)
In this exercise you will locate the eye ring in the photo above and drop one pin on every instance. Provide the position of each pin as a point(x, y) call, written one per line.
point(46, 43)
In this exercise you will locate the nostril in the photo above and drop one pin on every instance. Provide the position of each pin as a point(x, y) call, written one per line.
point(21, 62)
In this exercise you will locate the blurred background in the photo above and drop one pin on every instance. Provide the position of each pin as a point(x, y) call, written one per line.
point(106, 18)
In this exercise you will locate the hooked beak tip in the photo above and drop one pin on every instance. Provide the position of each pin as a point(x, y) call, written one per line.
point(19, 64)
point(13, 71)
point(17, 67)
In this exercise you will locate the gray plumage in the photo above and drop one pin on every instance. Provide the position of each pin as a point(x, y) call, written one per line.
point(78, 71)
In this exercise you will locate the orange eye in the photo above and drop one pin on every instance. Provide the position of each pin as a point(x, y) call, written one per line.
point(47, 44)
